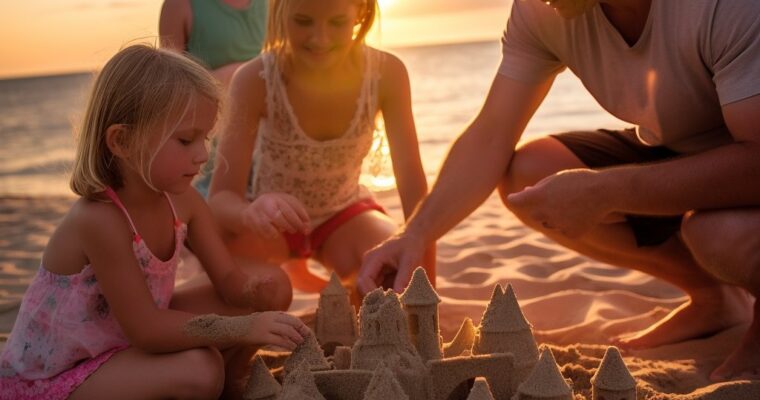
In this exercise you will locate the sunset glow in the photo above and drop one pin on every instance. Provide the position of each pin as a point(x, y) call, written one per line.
point(48, 37)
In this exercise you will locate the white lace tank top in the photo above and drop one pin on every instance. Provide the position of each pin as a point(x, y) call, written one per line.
point(323, 175)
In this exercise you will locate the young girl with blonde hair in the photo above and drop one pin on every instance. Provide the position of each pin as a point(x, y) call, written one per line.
point(99, 319)
point(306, 110)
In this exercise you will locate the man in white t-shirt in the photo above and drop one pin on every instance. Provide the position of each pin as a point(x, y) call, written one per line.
point(677, 197)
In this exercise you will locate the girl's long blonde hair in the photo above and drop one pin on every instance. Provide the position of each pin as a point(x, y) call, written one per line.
point(276, 40)
point(140, 88)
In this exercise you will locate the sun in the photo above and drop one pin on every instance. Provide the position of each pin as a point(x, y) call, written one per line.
point(386, 4)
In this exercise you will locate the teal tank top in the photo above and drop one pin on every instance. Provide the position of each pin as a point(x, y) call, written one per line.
point(221, 34)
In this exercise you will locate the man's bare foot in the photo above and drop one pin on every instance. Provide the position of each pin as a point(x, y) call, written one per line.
point(301, 278)
point(708, 311)
point(744, 361)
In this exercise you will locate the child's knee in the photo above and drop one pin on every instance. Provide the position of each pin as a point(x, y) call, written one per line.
point(203, 376)
point(279, 291)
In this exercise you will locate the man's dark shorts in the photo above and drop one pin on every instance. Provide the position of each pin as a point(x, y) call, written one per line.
point(606, 148)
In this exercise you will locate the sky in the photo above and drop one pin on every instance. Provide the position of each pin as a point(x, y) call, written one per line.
point(42, 37)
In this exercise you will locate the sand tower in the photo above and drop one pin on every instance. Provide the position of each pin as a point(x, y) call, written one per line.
point(504, 329)
point(480, 390)
point(300, 385)
point(308, 353)
point(462, 341)
point(383, 333)
point(421, 306)
point(261, 384)
point(384, 336)
point(335, 323)
point(613, 381)
point(545, 382)
point(384, 386)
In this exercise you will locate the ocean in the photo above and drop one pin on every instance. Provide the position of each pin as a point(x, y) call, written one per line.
point(449, 84)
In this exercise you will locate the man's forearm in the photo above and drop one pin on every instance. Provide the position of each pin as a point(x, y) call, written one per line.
point(725, 177)
point(469, 175)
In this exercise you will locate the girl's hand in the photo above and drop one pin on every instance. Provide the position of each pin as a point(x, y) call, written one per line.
point(277, 328)
point(273, 213)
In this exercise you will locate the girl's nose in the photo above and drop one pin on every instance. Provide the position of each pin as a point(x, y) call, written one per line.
point(201, 155)
point(320, 37)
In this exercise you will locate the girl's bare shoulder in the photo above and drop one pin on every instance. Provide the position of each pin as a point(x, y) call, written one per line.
point(66, 251)
point(248, 82)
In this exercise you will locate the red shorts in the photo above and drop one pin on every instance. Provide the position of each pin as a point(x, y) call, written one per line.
point(303, 246)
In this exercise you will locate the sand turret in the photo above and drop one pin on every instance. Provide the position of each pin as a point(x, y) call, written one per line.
point(384, 386)
point(613, 380)
point(480, 390)
point(504, 329)
point(421, 306)
point(545, 382)
point(309, 353)
point(261, 384)
point(335, 323)
point(300, 385)
point(384, 336)
point(462, 341)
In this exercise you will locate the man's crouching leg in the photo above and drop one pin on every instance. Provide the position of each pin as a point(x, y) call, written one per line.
point(726, 243)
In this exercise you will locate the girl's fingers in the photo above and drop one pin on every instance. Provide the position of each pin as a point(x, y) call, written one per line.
point(298, 208)
point(288, 332)
point(282, 341)
point(294, 221)
point(294, 322)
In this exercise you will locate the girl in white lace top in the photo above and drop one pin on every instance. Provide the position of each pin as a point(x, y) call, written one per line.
point(303, 114)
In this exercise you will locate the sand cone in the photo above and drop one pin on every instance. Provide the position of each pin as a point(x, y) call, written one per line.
point(261, 384)
point(384, 386)
point(545, 381)
point(463, 340)
point(299, 385)
point(612, 379)
point(480, 390)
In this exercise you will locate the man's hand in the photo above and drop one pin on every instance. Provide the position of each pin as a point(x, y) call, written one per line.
point(570, 202)
point(400, 254)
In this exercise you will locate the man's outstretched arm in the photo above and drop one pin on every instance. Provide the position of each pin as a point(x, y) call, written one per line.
point(475, 164)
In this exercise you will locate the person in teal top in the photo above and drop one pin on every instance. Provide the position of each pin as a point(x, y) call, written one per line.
point(221, 35)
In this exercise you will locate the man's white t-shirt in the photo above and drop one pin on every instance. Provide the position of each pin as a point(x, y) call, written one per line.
point(692, 57)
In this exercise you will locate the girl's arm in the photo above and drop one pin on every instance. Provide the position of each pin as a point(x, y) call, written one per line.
point(396, 106)
point(174, 27)
point(238, 126)
point(107, 243)
point(232, 284)
point(174, 24)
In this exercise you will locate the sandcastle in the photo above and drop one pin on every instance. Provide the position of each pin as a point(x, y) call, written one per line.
point(394, 350)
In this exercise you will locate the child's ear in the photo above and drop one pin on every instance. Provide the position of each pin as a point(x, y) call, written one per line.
point(116, 140)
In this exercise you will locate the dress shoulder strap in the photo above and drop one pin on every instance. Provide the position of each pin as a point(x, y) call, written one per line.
point(177, 221)
point(115, 199)
point(271, 80)
point(373, 59)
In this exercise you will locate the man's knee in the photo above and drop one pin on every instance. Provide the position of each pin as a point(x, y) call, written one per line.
point(726, 243)
point(534, 161)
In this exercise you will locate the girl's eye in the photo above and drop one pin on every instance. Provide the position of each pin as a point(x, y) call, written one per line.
point(302, 21)
point(185, 142)
point(339, 23)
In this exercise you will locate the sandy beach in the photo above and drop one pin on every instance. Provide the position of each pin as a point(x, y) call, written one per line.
point(574, 304)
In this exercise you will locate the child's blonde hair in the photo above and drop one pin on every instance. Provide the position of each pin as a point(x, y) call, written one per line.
point(138, 88)
point(276, 40)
